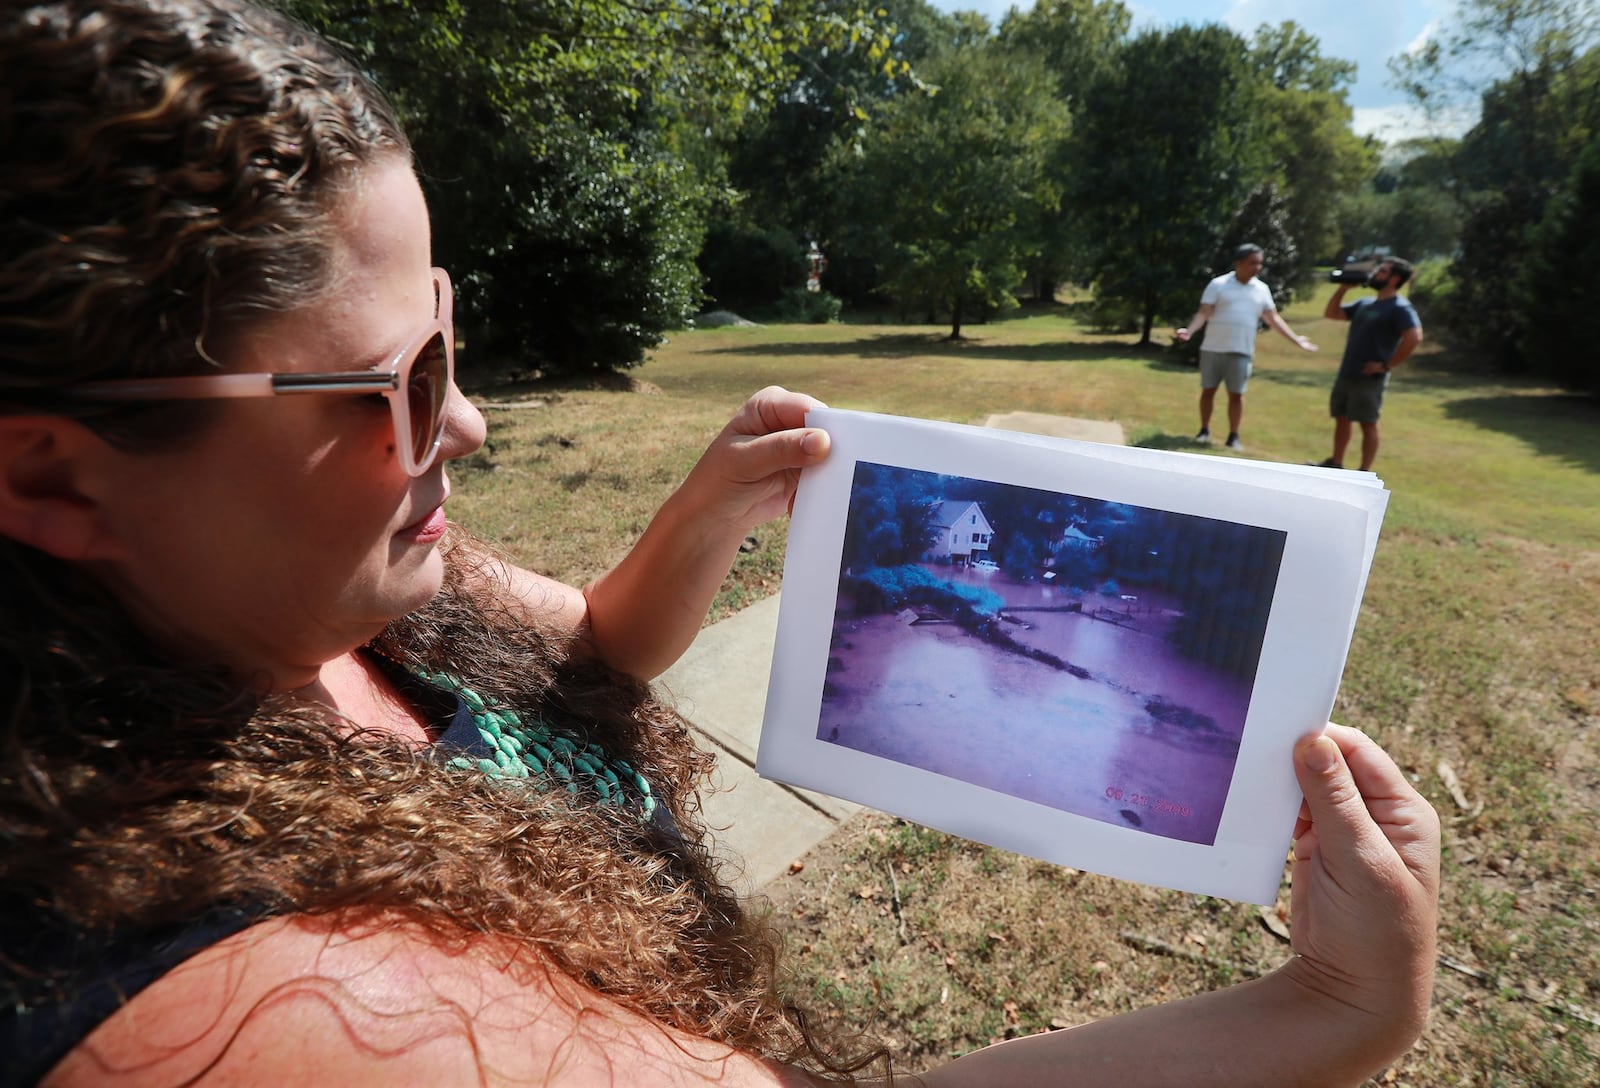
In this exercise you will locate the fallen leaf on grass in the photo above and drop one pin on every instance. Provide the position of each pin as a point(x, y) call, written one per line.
point(1273, 918)
point(1447, 775)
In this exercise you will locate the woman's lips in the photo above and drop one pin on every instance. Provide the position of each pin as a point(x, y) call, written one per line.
point(429, 529)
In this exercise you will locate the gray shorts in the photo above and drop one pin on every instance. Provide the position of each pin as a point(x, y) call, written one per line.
point(1219, 366)
point(1358, 399)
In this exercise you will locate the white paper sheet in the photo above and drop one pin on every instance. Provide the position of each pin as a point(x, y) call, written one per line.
point(1168, 625)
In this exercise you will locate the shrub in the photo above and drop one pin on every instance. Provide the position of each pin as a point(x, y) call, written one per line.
point(1432, 286)
point(884, 589)
point(801, 307)
point(748, 269)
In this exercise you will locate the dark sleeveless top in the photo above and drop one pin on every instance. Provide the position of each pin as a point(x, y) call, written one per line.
point(93, 974)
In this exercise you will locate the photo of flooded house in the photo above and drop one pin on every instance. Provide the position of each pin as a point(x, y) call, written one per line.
point(1094, 657)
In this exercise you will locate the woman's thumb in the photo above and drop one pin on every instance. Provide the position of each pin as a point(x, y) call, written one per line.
point(1338, 811)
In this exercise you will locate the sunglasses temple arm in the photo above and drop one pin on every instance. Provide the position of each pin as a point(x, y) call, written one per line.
point(195, 387)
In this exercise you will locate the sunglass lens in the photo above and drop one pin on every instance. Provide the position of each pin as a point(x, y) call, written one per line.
point(426, 393)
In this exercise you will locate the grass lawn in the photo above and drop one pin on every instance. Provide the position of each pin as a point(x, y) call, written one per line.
point(1476, 662)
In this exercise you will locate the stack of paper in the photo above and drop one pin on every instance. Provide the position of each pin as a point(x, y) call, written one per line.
point(1096, 655)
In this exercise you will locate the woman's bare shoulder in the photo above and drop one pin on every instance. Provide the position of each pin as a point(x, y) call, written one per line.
point(298, 1000)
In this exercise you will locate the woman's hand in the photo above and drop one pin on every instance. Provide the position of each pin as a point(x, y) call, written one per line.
point(1364, 903)
point(749, 472)
point(640, 616)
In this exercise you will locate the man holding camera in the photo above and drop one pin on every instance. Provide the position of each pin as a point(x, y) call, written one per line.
point(1233, 305)
point(1384, 331)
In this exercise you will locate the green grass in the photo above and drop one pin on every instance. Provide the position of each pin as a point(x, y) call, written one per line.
point(1476, 648)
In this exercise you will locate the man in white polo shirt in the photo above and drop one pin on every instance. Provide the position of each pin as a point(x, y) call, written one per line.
point(1231, 308)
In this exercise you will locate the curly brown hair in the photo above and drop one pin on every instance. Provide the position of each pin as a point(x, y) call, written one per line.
point(170, 171)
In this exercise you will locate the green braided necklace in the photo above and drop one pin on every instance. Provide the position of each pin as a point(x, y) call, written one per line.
point(519, 749)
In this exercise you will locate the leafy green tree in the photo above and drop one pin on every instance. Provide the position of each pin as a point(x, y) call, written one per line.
point(782, 174)
point(1316, 158)
point(1263, 220)
point(1078, 41)
point(1171, 146)
point(950, 187)
point(1412, 205)
point(554, 143)
point(1560, 280)
point(1534, 66)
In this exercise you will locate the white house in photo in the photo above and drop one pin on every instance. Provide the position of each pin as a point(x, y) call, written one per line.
point(1075, 539)
point(960, 532)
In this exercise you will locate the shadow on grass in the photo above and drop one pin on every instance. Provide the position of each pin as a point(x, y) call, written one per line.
point(1563, 426)
point(1170, 442)
point(906, 345)
point(509, 381)
point(1299, 379)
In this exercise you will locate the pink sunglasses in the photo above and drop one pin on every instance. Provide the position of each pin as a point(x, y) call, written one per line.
point(416, 383)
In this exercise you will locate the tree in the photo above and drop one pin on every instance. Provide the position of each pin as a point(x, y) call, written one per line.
point(1316, 157)
point(891, 516)
point(1561, 280)
point(1078, 42)
point(782, 166)
point(950, 187)
point(1534, 66)
point(1170, 147)
point(552, 140)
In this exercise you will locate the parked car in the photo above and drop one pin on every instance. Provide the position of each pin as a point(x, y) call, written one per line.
point(985, 565)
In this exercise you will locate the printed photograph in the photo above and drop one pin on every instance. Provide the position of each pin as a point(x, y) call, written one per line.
point(1092, 656)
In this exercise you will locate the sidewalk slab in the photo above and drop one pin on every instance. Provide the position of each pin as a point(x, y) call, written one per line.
point(758, 828)
point(1085, 430)
point(719, 687)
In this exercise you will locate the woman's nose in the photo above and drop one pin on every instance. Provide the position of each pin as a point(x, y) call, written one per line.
point(464, 428)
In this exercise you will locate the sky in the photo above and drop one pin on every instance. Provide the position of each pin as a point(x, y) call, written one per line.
point(1368, 32)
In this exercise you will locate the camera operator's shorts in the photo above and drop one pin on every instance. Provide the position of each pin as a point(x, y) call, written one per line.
point(1219, 366)
point(1358, 399)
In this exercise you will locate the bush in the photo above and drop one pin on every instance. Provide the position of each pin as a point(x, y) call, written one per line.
point(802, 307)
point(1432, 286)
point(748, 269)
point(1114, 315)
point(884, 589)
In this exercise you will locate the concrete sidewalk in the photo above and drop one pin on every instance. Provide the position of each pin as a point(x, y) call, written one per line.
point(719, 687)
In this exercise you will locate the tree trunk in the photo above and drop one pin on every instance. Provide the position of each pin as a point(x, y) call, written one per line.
point(1149, 320)
point(955, 320)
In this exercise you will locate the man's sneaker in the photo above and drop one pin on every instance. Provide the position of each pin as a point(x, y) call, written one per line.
point(1328, 462)
point(1234, 444)
point(1204, 437)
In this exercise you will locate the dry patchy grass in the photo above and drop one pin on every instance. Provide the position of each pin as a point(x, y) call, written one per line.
point(1475, 656)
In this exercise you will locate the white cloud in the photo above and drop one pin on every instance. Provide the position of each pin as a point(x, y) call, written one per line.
point(1423, 38)
point(1403, 121)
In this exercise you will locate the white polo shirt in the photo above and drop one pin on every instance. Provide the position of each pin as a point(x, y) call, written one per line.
point(1237, 314)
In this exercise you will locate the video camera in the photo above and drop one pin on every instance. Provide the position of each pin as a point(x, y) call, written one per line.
point(1355, 273)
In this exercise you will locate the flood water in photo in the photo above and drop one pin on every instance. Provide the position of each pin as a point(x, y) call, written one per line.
point(1148, 741)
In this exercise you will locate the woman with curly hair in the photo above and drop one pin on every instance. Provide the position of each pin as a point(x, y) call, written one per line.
point(298, 780)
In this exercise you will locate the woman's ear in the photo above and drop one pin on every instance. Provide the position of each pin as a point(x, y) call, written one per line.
point(46, 499)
